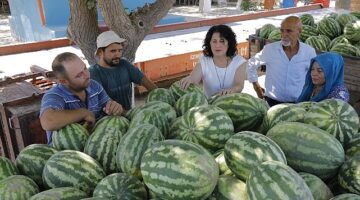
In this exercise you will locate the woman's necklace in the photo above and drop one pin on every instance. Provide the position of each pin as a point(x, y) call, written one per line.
point(222, 85)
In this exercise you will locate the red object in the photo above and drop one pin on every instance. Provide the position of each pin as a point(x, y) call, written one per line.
point(325, 3)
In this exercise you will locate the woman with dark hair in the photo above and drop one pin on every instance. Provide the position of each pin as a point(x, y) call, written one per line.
point(220, 69)
point(325, 79)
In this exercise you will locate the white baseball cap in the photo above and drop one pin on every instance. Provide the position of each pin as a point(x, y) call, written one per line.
point(106, 38)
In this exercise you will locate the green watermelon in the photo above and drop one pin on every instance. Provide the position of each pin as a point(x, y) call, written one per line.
point(71, 137)
point(340, 39)
point(17, 187)
point(307, 104)
point(242, 155)
point(352, 31)
point(336, 117)
point(319, 43)
point(245, 111)
point(276, 180)
point(188, 101)
point(120, 186)
point(349, 173)
point(7, 168)
point(352, 147)
point(344, 19)
point(265, 30)
point(155, 118)
point(206, 125)
point(332, 15)
point(31, 161)
point(166, 109)
point(346, 196)
point(177, 92)
point(161, 94)
point(346, 49)
point(308, 31)
point(318, 188)
point(308, 148)
point(175, 169)
point(62, 193)
point(275, 35)
point(133, 145)
point(307, 20)
point(356, 14)
point(119, 122)
point(329, 27)
point(70, 168)
point(220, 159)
point(229, 188)
point(102, 145)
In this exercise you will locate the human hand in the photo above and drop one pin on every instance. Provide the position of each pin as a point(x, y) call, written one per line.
point(225, 92)
point(259, 91)
point(113, 108)
point(185, 83)
point(89, 119)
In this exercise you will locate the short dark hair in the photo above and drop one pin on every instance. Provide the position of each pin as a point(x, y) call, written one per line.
point(225, 32)
point(58, 64)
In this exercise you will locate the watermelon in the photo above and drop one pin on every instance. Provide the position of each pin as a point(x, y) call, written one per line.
point(308, 31)
point(120, 186)
point(319, 43)
point(119, 122)
point(7, 168)
point(17, 187)
point(71, 137)
point(177, 92)
point(356, 14)
point(188, 101)
point(346, 49)
point(175, 169)
point(275, 35)
point(308, 148)
point(31, 161)
point(329, 27)
point(70, 168)
point(241, 153)
point(133, 145)
point(307, 104)
point(344, 19)
point(230, 188)
point(102, 145)
point(245, 111)
point(317, 187)
point(340, 39)
point(307, 20)
point(332, 15)
point(336, 117)
point(265, 30)
point(166, 109)
point(161, 94)
point(352, 31)
point(155, 118)
point(353, 146)
point(62, 193)
point(206, 125)
point(349, 173)
point(220, 159)
point(275, 180)
point(346, 196)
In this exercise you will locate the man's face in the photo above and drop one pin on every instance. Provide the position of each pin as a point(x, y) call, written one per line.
point(112, 54)
point(290, 33)
point(78, 76)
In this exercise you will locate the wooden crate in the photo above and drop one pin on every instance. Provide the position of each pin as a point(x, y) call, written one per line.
point(352, 5)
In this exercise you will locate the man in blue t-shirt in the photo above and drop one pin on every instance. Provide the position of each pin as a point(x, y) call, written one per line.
point(76, 98)
point(115, 73)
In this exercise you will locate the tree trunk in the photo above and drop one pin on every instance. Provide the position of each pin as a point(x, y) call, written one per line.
point(83, 28)
point(238, 5)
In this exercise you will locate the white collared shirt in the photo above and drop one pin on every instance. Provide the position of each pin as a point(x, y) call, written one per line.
point(285, 78)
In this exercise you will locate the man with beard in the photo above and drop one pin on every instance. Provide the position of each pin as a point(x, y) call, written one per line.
point(287, 62)
point(76, 98)
point(115, 73)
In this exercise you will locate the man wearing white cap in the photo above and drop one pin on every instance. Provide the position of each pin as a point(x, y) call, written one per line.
point(115, 73)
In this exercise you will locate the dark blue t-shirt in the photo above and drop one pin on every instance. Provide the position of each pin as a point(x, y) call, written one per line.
point(117, 80)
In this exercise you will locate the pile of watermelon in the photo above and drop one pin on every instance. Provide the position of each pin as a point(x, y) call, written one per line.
point(334, 32)
point(181, 145)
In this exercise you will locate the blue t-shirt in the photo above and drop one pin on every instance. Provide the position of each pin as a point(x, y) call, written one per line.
point(61, 98)
point(117, 81)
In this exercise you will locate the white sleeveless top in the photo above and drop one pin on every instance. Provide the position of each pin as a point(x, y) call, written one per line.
point(216, 79)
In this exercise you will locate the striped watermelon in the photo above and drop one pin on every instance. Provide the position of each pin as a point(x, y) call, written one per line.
point(307, 20)
point(308, 148)
point(336, 117)
point(346, 49)
point(275, 35)
point(17, 187)
point(96, 198)
point(340, 39)
point(113, 121)
point(352, 147)
point(206, 125)
point(241, 153)
point(120, 186)
point(329, 27)
point(151, 117)
point(332, 15)
point(265, 30)
point(175, 169)
point(62, 193)
point(161, 94)
point(220, 159)
point(133, 145)
point(229, 188)
point(352, 31)
point(31, 161)
point(72, 137)
point(70, 168)
point(346, 196)
point(318, 43)
point(356, 14)
point(307, 104)
point(317, 187)
point(166, 109)
point(177, 92)
point(308, 31)
point(7, 168)
point(326, 39)
point(275, 180)
point(349, 175)
point(188, 101)
point(245, 111)
point(344, 19)
point(102, 145)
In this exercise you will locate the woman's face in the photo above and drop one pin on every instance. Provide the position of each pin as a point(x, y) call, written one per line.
point(317, 75)
point(219, 45)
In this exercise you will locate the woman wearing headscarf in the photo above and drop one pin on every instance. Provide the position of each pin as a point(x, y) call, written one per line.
point(325, 79)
